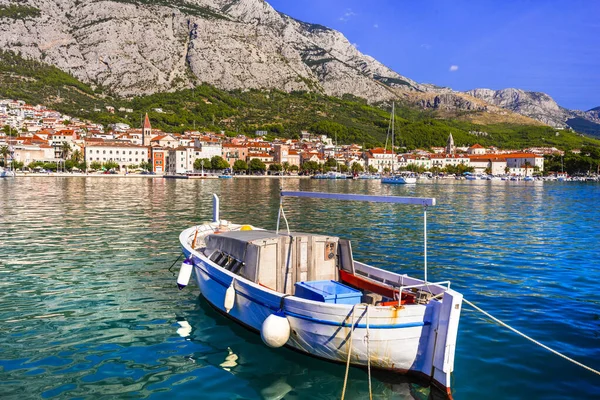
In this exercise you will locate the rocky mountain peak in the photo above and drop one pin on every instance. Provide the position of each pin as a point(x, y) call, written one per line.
point(536, 105)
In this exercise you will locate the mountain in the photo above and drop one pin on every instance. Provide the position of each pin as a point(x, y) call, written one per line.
point(136, 47)
point(541, 107)
point(139, 47)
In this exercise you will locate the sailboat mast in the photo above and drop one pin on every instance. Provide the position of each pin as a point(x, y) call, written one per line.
point(393, 123)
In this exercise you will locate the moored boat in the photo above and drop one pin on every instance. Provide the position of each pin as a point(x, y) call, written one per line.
point(306, 291)
point(401, 178)
point(6, 173)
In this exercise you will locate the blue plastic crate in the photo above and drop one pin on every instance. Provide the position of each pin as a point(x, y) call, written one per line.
point(328, 292)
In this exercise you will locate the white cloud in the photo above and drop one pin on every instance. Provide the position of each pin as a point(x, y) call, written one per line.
point(426, 46)
point(355, 45)
point(453, 68)
point(376, 26)
point(347, 15)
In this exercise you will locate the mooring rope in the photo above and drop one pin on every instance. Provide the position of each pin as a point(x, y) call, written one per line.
point(172, 265)
point(369, 356)
point(349, 354)
point(531, 339)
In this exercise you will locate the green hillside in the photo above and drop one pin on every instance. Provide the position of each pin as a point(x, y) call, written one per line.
point(350, 119)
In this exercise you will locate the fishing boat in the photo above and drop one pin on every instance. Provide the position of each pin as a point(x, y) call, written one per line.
point(305, 291)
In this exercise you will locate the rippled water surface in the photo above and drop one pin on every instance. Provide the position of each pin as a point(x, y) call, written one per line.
point(88, 307)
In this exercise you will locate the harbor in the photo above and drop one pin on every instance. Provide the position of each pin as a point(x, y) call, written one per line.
point(90, 307)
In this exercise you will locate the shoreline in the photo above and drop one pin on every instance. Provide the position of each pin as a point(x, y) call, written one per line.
point(149, 176)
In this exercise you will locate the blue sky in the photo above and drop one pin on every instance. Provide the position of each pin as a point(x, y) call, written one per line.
point(547, 46)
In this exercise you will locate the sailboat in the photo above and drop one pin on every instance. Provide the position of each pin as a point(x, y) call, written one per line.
point(403, 177)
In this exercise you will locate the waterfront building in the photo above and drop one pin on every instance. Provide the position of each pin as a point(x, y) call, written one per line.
point(283, 154)
point(124, 154)
point(159, 156)
point(380, 159)
point(233, 152)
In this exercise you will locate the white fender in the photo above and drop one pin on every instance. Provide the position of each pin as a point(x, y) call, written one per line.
point(229, 297)
point(185, 273)
point(275, 330)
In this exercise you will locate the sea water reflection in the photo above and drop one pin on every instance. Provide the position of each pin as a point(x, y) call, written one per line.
point(88, 307)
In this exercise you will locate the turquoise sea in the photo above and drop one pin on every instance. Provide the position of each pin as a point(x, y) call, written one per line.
point(89, 308)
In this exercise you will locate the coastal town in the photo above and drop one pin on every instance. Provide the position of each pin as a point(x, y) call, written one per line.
point(36, 138)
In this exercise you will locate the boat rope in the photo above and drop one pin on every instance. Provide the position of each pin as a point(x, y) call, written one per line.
point(369, 356)
point(174, 262)
point(349, 354)
point(531, 339)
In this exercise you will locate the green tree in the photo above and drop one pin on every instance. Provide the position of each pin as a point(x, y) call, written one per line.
point(110, 165)
point(77, 156)
point(95, 166)
point(202, 163)
point(257, 165)
point(310, 166)
point(356, 168)
point(372, 169)
point(275, 168)
point(4, 151)
point(294, 168)
point(50, 166)
point(240, 165)
point(218, 163)
point(286, 166)
point(146, 166)
point(17, 164)
point(343, 168)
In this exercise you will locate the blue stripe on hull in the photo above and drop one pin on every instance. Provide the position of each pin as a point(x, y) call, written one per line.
point(309, 318)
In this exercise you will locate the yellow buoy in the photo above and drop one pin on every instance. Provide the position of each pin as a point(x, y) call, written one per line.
point(245, 228)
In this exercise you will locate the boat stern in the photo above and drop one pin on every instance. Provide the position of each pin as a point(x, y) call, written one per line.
point(446, 333)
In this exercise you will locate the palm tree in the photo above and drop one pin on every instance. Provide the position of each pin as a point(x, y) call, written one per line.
point(65, 150)
point(5, 151)
point(76, 156)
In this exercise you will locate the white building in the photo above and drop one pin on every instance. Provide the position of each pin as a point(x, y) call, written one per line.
point(124, 154)
point(380, 159)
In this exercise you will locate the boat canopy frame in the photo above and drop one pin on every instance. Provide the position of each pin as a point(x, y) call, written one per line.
point(422, 201)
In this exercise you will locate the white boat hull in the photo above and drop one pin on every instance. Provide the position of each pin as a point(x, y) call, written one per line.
point(415, 338)
point(399, 180)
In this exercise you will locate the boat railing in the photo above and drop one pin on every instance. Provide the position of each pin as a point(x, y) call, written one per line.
point(422, 201)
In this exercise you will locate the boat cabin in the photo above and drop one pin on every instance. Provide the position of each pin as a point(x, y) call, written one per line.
point(306, 265)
